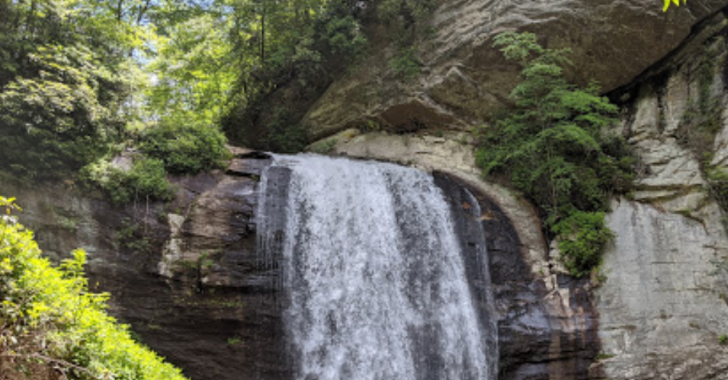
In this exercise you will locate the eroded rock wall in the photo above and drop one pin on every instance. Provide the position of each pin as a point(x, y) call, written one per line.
point(662, 306)
point(185, 276)
point(464, 81)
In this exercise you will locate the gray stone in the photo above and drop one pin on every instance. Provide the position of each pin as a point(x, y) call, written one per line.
point(661, 307)
point(465, 80)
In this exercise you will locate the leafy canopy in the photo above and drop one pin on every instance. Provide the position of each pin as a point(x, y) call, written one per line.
point(553, 146)
point(289, 53)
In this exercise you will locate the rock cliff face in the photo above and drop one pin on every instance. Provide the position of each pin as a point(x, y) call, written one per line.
point(188, 279)
point(464, 80)
point(184, 276)
point(663, 304)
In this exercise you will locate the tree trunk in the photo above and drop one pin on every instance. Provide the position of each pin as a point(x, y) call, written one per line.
point(143, 11)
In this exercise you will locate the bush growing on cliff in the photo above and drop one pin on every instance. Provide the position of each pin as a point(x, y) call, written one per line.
point(48, 316)
point(553, 146)
point(145, 181)
point(185, 148)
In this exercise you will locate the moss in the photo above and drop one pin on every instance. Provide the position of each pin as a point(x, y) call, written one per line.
point(324, 146)
point(372, 126)
point(233, 341)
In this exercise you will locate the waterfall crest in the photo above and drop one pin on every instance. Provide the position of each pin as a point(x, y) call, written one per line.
point(373, 272)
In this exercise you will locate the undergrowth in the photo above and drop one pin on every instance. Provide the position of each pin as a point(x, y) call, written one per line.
point(48, 316)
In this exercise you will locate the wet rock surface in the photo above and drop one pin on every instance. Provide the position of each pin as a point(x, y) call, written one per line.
point(185, 276)
point(536, 340)
point(661, 310)
point(661, 303)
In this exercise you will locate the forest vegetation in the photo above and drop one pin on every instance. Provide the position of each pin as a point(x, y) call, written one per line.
point(554, 145)
point(81, 82)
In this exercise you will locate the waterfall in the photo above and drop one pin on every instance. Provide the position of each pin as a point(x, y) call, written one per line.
point(373, 273)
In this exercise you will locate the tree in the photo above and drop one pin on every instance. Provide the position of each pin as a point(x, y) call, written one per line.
point(553, 146)
point(64, 79)
point(307, 43)
point(194, 70)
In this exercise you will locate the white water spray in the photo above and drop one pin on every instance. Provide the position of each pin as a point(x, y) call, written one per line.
point(374, 274)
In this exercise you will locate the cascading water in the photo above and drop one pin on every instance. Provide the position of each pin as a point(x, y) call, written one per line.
point(373, 272)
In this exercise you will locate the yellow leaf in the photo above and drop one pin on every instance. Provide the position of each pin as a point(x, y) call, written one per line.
point(676, 2)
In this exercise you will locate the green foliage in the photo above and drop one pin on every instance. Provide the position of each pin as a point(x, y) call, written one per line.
point(146, 180)
point(61, 119)
point(405, 13)
point(405, 64)
point(340, 36)
point(553, 146)
point(284, 137)
point(131, 236)
point(582, 237)
point(194, 68)
point(300, 48)
point(185, 147)
point(64, 79)
point(723, 339)
point(48, 315)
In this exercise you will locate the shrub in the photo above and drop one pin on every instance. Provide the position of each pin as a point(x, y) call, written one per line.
point(49, 316)
point(146, 180)
point(185, 148)
point(552, 146)
point(582, 236)
point(405, 64)
point(723, 339)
